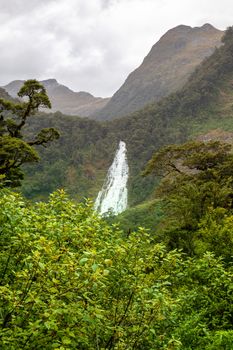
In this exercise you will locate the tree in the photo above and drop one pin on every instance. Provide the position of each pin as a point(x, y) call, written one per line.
point(15, 151)
point(228, 35)
point(197, 177)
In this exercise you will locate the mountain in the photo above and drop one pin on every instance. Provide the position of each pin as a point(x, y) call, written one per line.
point(164, 70)
point(4, 94)
point(79, 160)
point(64, 99)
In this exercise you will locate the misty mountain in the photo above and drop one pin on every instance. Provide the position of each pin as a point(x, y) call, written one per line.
point(164, 70)
point(5, 95)
point(64, 99)
point(204, 103)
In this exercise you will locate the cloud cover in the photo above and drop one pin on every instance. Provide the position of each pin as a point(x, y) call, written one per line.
point(92, 45)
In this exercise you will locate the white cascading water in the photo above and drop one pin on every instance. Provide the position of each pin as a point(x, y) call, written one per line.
point(114, 194)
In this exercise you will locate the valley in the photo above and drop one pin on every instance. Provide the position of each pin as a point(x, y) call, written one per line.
point(202, 104)
point(117, 228)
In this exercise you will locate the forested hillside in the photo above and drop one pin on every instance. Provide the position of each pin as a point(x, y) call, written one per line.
point(80, 159)
point(69, 279)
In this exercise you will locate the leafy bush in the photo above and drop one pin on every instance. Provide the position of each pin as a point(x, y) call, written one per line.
point(71, 281)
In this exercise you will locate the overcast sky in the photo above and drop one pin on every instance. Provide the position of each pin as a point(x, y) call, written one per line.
point(92, 45)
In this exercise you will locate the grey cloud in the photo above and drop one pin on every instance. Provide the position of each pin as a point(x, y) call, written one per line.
point(91, 45)
point(16, 7)
point(107, 3)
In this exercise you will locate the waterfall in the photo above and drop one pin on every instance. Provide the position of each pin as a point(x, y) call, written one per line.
point(113, 195)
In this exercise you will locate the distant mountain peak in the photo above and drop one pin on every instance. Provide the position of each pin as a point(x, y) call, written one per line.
point(64, 99)
point(185, 30)
point(50, 82)
point(180, 27)
point(208, 26)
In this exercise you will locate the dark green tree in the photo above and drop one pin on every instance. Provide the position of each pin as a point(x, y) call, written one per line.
point(14, 149)
point(196, 179)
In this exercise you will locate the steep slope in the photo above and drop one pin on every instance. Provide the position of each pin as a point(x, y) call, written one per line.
point(4, 94)
point(164, 70)
point(64, 99)
point(80, 159)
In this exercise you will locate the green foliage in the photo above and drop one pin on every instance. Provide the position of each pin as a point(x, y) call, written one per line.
point(147, 215)
point(36, 94)
point(78, 161)
point(194, 155)
point(215, 234)
point(71, 281)
point(197, 177)
point(203, 314)
point(15, 151)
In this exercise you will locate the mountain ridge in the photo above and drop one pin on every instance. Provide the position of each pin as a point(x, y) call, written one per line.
point(64, 99)
point(165, 69)
point(204, 103)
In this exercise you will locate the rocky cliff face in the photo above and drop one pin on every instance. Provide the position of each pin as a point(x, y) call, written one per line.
point(164, 70)
point(64, 99)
